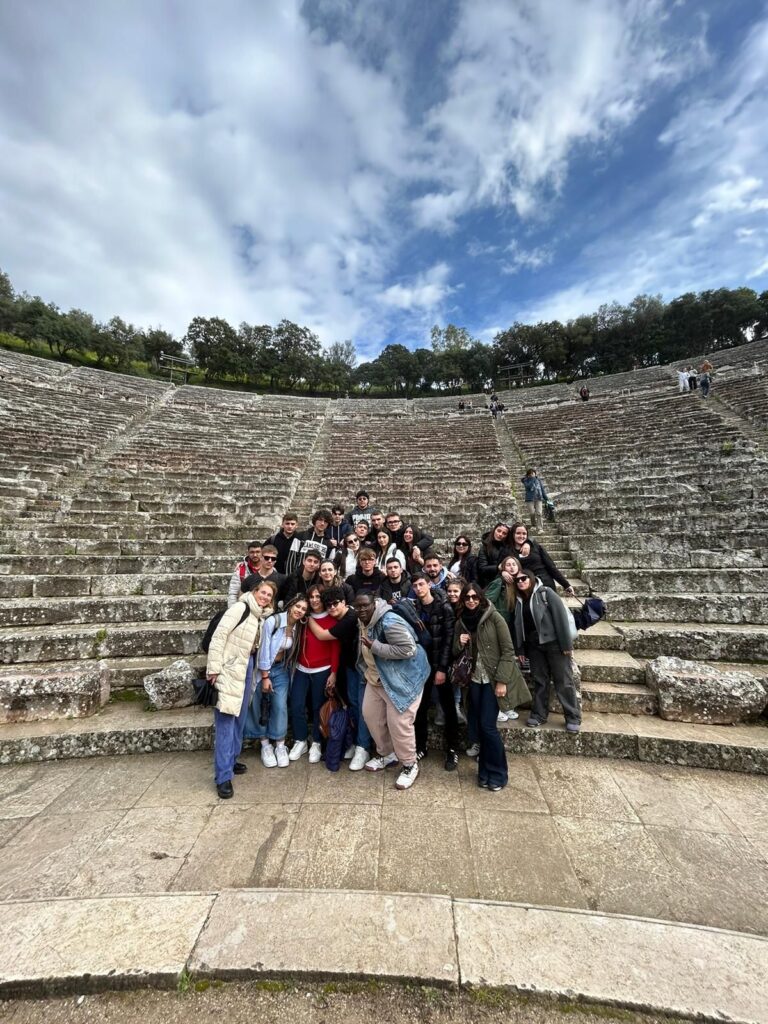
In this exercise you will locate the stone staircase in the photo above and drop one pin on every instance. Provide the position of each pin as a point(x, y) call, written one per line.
point(135, 500)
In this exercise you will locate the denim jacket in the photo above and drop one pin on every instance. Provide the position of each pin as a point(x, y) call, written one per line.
point(272, 637)
point(402, 663)
point(534, 488)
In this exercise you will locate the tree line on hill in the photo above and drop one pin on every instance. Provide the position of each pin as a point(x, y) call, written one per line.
point(646, 332)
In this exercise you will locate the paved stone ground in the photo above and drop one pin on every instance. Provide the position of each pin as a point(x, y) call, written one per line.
point(671, 843)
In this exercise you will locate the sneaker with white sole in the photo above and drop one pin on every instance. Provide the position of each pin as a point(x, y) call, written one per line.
point(268, 758)
point(359, 759)
point(315, 753)
point(407, 776)
point(377, 763)
point(349, 753)
point(460, 716)
point(512, 715)
point(299, 747)
point(281, 754)
point(440, 717)
point(502, 716)
point(474, 750)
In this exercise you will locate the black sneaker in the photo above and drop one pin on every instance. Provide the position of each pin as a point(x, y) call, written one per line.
point(240, 768)
point(225, 790)
point(421, 754)
point(451, 760)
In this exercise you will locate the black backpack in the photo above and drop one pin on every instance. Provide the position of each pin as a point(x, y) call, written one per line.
point(210, 629)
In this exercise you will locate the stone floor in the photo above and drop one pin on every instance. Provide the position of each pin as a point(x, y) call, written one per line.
point(677, 844)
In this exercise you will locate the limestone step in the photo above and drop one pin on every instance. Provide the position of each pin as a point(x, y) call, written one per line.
point(104, 565)
point(698, 641)
point(22, 644)
point(612, 667)
point(607, 698)
point(702, 607)
point(719, 580)
point(110, 609)
point(126, 584)
point(126, 728)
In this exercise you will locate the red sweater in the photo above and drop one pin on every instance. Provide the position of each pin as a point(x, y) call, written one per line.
point(316, 653)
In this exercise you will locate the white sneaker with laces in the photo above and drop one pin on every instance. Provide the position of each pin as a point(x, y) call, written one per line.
point(502, 717)
point(268, 758)
point(512, 715)
point(377, 763)
point(315, 753)
point(358, 761)
point(474, 750)
point(298, 748)
point(350, 752)
point(407, 776)
point(281, 754)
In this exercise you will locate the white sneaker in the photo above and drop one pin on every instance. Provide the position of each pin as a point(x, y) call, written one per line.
point(315, 753)
point(349, 753)
point(462, 718)
point(512, 715)
point(474, 750)
point(376, 764)
point(502, 716)
point(358, 761)
point(281, 753)
point(268, 758)
point(298, 748)
point(408, 776)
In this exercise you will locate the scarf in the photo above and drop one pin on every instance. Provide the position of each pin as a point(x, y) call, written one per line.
point(471, 618)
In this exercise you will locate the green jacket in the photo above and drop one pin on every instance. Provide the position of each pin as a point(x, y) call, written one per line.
point(496, 594)
point(492, 643)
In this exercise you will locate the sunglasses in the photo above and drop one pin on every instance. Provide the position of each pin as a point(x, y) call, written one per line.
point(471, 597)
point(522, 579)
point(461, 544)
point(332, 604)
point(269, 558)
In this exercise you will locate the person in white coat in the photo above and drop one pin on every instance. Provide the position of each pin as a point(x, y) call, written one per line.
point(231, 661)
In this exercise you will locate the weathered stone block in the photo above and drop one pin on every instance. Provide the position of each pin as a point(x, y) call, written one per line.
point(171, 687)
point(691, 691)
point(55, 693)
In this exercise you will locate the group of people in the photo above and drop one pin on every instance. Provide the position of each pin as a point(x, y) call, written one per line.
point(361, 607)
point(690, 379)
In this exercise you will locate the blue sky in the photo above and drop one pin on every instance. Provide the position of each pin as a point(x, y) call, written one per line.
point(369, 169)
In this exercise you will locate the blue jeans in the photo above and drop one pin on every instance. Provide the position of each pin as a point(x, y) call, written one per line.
point(303, 682)
point(277, 725)
point(355, 693)
point(492, 760)
point(228, 735)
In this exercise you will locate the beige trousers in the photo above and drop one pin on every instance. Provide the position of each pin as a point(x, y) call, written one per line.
point(390, 728)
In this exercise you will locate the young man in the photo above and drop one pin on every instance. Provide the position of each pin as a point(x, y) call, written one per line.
point(245, 568)
point(437, 575)
point(397, 584)
point(304, 578)
point(267, 571)
point(338, 530)
point(362, 510)
point(367, 579)
point(350, 684)
point(395, 668)
point(285, 540)
point(313, 539)
point(436, 613)
point(535, 496)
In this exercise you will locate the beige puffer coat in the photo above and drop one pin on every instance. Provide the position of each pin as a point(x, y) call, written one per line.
point(230, 649)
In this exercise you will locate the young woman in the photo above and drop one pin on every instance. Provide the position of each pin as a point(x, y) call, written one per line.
point(480, 627)
point(280, 644)
point(231, 664)
point(534, 558)
point(542, 632)
point(385, 549)
point(316, 667)
point(463, 563)
point(414, 556)
point(493, 549)
point(502, 595)
point(351, 551)
point(330, 577)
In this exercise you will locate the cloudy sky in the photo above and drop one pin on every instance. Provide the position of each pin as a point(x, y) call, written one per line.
point(371, 167)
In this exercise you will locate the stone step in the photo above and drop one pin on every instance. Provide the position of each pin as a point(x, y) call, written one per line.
point(106, 610)
point(718, 580)
point(125, 728)
point(22, 644)
point(105, 565)
point(692, 640)
point(127, 584)
point(606, 666)
point(606, 698)
point(39, 693)
point(701, 607)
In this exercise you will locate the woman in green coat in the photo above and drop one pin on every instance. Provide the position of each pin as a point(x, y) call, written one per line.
point(502, 595)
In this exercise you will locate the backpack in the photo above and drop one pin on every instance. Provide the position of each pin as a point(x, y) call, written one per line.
point(593, 609)
point(571, 618)
point(210, 629)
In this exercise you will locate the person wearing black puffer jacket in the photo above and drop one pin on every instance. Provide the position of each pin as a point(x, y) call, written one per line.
point(436, 615)
point(534, 558)
point(366, 579)
point(495, 546)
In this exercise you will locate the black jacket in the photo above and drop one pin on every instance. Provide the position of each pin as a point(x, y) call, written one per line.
point(366, 584)
point(541, 565)
point(421, 538)
point(468, 570)
point(439, 625)
point(488, 558)
point(296, 584)
point(283, 545)
point(387, 587)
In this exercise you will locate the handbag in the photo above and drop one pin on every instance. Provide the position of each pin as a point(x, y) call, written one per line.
point(206, 694)
point(462, 668)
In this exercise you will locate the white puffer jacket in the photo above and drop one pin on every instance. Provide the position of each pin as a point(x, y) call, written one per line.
point(230, 649)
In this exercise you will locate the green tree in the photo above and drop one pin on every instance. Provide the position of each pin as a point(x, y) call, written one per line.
point(156, 341)
point(336, 366)
point(295, 349)
point(214, 346)
point(450, 338)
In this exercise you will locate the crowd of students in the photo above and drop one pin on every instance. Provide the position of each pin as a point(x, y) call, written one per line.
point(360, 606)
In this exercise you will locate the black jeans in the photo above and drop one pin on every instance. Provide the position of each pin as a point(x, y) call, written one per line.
point(550, 666)
point(492, 760)
point(448, 704)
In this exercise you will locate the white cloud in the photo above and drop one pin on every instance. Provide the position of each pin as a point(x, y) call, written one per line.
point(525, 259)
point(426, 291)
